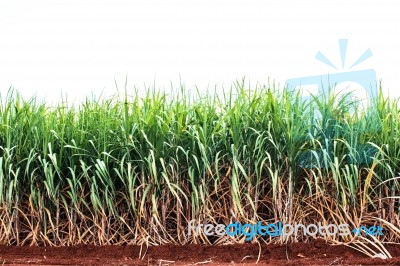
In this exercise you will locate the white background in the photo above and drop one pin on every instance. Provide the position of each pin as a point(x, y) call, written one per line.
point(81, 46)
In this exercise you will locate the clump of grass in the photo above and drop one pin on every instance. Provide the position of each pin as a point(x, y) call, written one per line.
point(136, 170)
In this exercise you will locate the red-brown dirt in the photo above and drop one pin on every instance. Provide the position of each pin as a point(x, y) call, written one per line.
point(314, 253)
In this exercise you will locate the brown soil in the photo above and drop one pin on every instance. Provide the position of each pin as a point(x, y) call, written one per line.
point(315, 253)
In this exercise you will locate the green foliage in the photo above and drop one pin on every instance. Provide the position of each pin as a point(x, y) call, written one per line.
point(158, 161)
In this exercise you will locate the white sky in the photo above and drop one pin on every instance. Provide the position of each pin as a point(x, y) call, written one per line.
point(81, 46)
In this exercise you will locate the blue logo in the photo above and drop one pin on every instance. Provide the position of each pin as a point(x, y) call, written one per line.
point(360, 85)
point(364, 78)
